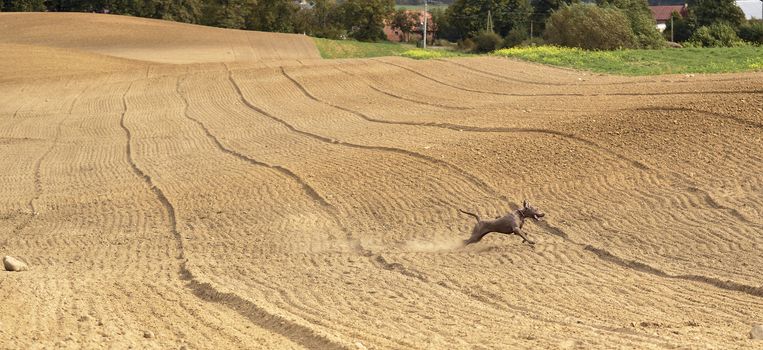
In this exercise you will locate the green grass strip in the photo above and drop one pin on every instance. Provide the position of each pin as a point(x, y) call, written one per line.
point(644, 62)
point(331, 49)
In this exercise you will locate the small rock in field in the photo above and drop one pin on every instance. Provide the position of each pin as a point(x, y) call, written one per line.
point(360, 346)
point(85, 318)
point(757, 332)
point(148, 334)
point(13, 264)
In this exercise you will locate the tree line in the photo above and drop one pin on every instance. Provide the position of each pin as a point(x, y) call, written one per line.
point(479, 25)
point(358, 19)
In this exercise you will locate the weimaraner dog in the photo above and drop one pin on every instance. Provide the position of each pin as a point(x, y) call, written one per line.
point(509, 224)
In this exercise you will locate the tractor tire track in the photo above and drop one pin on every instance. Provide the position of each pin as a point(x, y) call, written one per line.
point(717, 92)
point(471, 178)
point(600, 253)
point(458, 127)
point(37, 166)
point(747, 122)
point(400, 97)
point(205, 291)
point(496, 76)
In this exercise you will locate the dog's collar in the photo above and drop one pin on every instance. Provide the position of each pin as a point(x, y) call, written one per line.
point(520, 213)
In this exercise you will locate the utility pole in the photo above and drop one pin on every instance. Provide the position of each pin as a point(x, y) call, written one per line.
point(489, 25)
point(671, 28)
point(531, 27)
point(426, 19)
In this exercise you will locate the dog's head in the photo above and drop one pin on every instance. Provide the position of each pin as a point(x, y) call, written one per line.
point(529, 211)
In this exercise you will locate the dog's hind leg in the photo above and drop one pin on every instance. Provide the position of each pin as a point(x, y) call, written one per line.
point(477, 235)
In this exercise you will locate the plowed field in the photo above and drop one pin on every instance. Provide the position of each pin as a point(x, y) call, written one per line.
point(179, 186)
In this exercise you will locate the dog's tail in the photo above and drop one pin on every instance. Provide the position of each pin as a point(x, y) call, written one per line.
point(470, 214)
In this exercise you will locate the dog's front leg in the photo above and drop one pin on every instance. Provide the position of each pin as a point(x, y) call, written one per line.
point(525, 239)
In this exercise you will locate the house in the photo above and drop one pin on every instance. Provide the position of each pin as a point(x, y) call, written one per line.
point(398, 36)
point(662, 14)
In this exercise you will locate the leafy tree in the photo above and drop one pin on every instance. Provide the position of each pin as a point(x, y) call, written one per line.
point(641, 21)
point(682, 27)
point(365, 18)
point(188, 11)
point(542, 9)
point(321, 20)
point(752, 31)
point(470, 17)
point(716, 35)
point(272, 16)
point(445, 28)
point(590, 27)
point(405, 22)
point(708, 12)
point(226, 13)
point(515, 37)
point(22, 5)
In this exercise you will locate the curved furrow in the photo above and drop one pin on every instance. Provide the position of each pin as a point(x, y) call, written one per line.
point(457, 127)
point(37, 164)
point(475, 180)
point(388, 93)
point(606, 255)
point(750, 123)
point(305, 90)
point(309, 190)
point(632, 81)
point(497, 93)
point(638, 227)
point(206, 291)
point(489, 310)
point(486, 92)
point(612, 286)
point(401, 268)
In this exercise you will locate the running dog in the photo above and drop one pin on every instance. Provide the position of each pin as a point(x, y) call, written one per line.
point(509, 224)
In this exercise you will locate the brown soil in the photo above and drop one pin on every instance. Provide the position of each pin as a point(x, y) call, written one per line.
point(298, 203)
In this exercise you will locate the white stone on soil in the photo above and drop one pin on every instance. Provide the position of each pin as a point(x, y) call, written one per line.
point(757, 332)
point(13, 264)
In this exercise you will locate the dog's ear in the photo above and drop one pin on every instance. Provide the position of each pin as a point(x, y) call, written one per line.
point(525, 204)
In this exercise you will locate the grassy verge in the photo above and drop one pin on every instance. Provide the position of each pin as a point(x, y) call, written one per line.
point(421, 54)
point(645, 62)
point(356, 49)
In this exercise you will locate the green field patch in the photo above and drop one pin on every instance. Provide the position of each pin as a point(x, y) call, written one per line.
point(355, 49)
point(644, 62)
point(421, 54)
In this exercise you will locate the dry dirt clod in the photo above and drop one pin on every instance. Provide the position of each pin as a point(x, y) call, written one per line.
point(148, 334)
point(757, 332)
point(360, 346)
point(13, 264)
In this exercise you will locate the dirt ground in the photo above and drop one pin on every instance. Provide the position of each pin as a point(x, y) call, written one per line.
point(198, 188)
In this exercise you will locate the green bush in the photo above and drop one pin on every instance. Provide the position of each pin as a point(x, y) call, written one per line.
point(641, 21)
point(590, 27)
point(466, 45)
point(752, 31)
point(487, 41)
point(715, 35)
point(515, 37)
point(683, 27)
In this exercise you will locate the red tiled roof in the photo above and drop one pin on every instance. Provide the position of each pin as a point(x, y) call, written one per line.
point(663, 13)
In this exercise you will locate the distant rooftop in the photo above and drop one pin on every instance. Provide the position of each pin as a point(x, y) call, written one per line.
point(663, 13)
